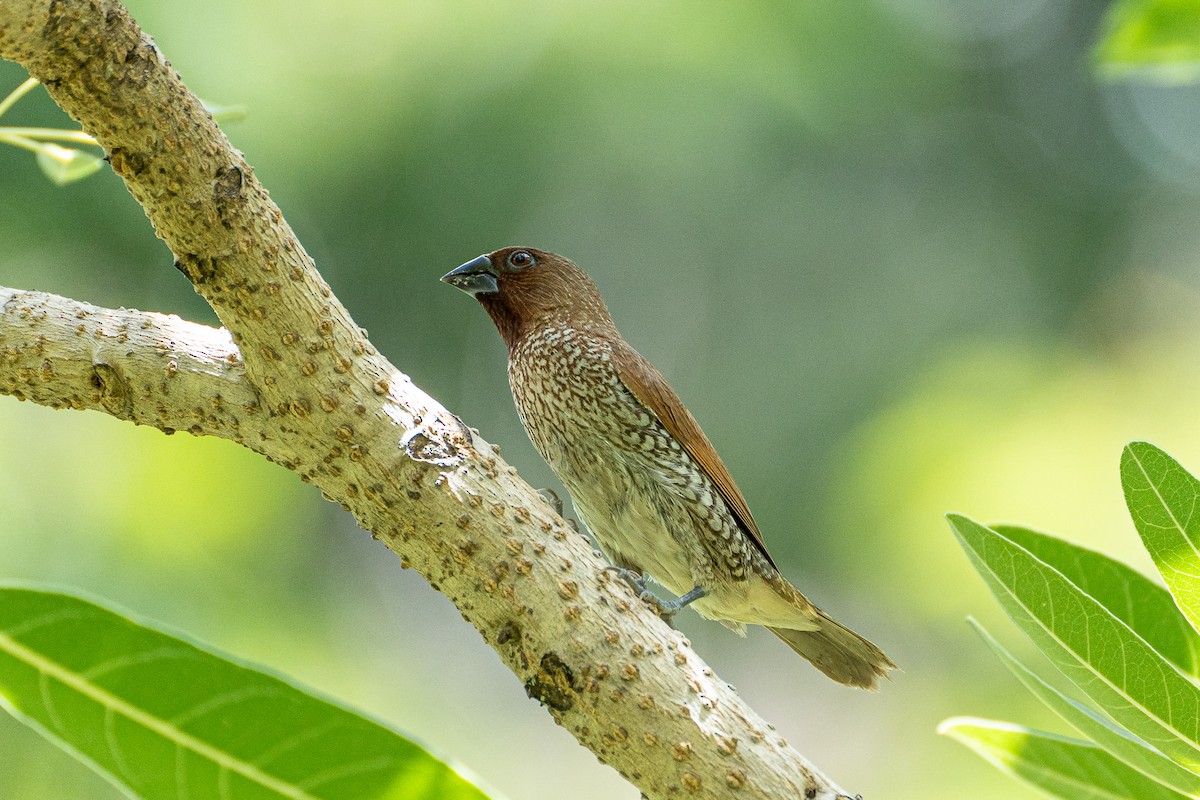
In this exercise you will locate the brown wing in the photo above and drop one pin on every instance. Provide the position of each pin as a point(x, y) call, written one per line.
point(649, 386)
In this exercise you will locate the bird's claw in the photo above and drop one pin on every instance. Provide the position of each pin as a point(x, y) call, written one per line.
point(666, 609)
point(554, 501)
point(552, 498)
point(635, 579)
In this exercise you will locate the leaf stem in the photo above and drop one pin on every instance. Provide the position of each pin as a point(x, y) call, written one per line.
point(16, 94)
point(61, 134)
point(18, 140)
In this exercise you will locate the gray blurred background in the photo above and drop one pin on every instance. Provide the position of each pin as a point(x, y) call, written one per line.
point(899, 257)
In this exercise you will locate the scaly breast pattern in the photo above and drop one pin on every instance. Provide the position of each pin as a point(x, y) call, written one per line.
point(649, 505)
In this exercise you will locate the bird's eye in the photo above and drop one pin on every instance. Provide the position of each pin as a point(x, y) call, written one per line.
point(520, 259)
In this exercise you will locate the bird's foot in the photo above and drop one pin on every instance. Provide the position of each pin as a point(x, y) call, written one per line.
point(664, 608)
point(670, 608)
point(554, 501)
point(552, 498)
point(635, 579)
point(667, 609)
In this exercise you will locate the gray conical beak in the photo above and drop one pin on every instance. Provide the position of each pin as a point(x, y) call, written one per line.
point(474, 277)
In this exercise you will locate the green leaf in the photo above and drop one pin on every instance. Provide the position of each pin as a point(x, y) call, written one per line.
point(1134, 599)
point(225, 113)
point(1117, 741)
point(1067, 768)
point(164, 718)
point(1156, 38)
point(1129, 681)
point(1162, 498)
point(64, 165)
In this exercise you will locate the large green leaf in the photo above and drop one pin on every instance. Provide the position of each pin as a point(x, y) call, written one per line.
point(1117, 741)
point(1124, 675)
point(1134, 599)
point(1067, 768)
point(1164, 501)
point(164, 718)
point(1159, 38)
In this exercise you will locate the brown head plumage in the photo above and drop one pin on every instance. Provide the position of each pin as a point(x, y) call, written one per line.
point(521, 288)
point(645, 479)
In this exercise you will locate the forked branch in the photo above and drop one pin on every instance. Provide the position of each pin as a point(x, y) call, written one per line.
point(292, 377)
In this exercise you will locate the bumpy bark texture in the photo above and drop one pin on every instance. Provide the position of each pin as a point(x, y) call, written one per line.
point(292, 377)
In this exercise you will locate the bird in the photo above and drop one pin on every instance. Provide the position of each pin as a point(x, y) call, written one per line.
point(643, 477)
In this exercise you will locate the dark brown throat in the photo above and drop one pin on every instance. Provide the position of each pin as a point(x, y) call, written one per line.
point(508, 321)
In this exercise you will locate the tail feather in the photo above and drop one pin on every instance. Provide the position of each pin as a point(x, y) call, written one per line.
point(839, 652)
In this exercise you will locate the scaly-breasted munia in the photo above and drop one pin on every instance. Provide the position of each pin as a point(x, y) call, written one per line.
point(644, 478)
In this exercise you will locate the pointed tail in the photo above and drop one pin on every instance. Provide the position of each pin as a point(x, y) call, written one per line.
point(839, 652)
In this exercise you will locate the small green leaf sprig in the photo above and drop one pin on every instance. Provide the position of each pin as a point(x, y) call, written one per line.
point(58, 160)
point(61, 164)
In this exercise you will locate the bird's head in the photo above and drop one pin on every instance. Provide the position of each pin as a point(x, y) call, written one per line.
point(523, 289)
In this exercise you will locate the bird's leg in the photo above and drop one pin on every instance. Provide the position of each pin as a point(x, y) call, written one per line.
point(664, 608)
point(667, 609)
point(672, 606)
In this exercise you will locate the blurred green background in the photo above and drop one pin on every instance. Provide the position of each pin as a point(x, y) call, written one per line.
point(899, 257)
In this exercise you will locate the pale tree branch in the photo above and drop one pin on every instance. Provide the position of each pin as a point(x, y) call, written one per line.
point(151, 369)
point(296, 380)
